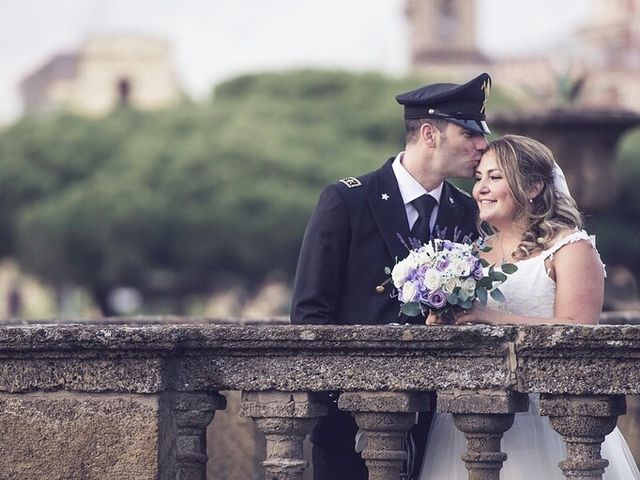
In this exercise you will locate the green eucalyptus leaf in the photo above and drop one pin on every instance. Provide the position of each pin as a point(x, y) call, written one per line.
point(484, 263)
point(497, 295)
point(481, 293)
point(509, 268)
point(411, 309)
point(485, 282)
point(466, 305)
point(498, 276)
point(452, 299)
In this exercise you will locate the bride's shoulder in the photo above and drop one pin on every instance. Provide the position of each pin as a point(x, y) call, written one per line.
point(570, 236)
point(576, 246)
point(569, 240)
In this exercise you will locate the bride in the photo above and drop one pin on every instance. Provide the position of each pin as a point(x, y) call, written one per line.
point(530, 219)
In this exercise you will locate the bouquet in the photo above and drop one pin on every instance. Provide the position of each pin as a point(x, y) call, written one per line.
point(442, 275)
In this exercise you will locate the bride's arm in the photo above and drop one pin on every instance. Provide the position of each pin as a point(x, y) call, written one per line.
point(579, 284)
point(579, 291)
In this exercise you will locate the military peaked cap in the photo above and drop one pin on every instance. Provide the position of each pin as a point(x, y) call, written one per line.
point(462, 104)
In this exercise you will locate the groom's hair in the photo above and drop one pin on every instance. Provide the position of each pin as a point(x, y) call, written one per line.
point(413, 126)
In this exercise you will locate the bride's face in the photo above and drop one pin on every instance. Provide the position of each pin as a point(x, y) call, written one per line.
point(495, 201)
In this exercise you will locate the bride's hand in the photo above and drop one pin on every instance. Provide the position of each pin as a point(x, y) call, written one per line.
point(433, 319)
point(477, 314)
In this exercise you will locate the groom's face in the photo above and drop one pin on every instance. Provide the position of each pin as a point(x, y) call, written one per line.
point(460, 151)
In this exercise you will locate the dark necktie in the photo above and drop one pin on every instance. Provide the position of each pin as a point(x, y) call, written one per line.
point(424, 205)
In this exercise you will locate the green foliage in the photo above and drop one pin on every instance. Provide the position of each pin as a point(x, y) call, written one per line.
point(178, 202)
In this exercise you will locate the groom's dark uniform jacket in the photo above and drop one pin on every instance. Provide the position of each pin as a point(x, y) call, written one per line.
point(358, 228)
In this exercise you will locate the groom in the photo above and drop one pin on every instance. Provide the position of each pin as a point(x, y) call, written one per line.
point(353, 234)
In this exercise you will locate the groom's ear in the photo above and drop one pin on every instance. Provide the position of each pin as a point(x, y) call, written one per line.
point(428, 132)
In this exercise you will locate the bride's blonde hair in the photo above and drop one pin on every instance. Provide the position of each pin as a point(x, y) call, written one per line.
point(527, 164)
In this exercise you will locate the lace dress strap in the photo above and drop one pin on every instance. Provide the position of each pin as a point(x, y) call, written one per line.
point(572, 238)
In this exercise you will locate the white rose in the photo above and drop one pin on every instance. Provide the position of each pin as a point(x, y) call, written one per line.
point(400, 272)
point(450, 285)
point(432, 279)
point(467, 289)
point(409, 292)
point(460, 267)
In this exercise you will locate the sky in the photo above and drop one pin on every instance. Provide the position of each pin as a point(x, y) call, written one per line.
point(213, 40)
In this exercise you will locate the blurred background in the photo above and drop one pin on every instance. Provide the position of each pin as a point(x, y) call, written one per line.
point(163, 158)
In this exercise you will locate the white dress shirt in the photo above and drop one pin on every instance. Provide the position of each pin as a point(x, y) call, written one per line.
point(410, 189)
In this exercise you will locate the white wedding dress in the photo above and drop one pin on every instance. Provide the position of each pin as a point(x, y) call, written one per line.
point(533, 448)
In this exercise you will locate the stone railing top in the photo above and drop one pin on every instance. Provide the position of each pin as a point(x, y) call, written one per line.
point(190, 356)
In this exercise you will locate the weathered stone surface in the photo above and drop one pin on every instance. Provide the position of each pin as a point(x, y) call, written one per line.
point(285, 419)
point(384, 453)
point(191, 358)
point(82, 374)
point(461, 401)
point(331, 371)
point(192, 413)
point(282, 404)
point(582, 405)
point(602, 359)
point(59, 436)
point(583, 422)
point(483, 432)
point(400, 402)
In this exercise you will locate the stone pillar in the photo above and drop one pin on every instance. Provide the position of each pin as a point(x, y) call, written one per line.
point(285, 419)
point(583, 421)
point(483, 418)
point(386, 417)
point(193, 413)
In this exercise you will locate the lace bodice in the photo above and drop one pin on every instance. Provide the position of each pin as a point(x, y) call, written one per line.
point(529, 291)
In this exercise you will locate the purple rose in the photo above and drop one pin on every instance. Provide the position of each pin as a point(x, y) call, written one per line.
point(476, 269)
point(437, 299)
point(442, 265)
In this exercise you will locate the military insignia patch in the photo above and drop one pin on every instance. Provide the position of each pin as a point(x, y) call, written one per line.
point(351, 182)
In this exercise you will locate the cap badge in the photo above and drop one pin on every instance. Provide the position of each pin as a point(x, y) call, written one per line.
point(486, 89)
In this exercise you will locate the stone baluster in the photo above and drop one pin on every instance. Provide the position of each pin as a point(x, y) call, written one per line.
point(583, 421)
point(193, 413)
point(483, 418)
point(285, 419)
point(385, 417)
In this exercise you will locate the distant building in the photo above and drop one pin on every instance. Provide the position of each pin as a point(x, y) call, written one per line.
point(105, 72)
point(443, 37)
point(607, 54)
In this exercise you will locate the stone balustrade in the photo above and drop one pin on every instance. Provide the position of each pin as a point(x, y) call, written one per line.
point(134, 401)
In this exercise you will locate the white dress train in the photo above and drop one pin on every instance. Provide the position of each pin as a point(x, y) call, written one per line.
point(533, 448)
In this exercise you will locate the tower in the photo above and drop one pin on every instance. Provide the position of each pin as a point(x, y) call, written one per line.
point(442, 36)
